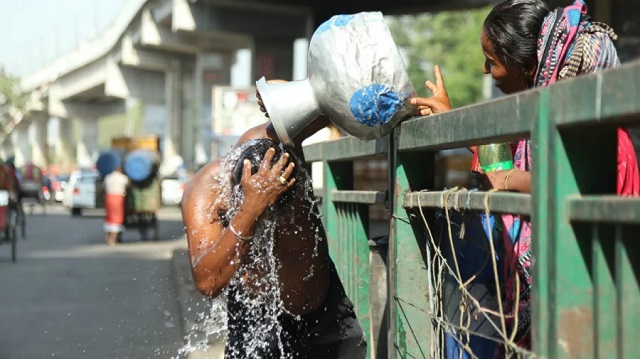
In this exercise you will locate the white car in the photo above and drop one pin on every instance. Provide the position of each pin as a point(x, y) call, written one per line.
point(80, 192)
point(172, 190)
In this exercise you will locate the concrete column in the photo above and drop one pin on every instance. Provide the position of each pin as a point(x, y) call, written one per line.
point(20, 141)
point(64, 147)
point(173, 104)
point(193, 94)
point(300, 58)
point(38, 140)
point(87, 146)
point(241, 75)
point(198, 154)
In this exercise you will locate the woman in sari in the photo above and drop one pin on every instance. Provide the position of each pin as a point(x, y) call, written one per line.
point(527, 45)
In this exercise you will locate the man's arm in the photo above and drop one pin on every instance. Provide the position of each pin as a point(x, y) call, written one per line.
point(215, 251)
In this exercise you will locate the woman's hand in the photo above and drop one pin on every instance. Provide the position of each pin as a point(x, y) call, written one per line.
point(260, 103)
point(263, 188)
point(437, 103)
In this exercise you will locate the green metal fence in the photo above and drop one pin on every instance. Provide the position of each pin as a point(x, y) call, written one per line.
point(586, 240)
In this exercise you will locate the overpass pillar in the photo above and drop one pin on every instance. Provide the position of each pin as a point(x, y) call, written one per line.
point(87, 146)
point(198, 155)
point(64, 154)
point(208, 69)
point(173, 100)
point(38, 140)
point(20, 142)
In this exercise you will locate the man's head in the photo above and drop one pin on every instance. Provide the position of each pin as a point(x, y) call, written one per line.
point(254, 151)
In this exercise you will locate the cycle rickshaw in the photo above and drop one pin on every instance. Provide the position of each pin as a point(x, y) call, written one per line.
point(8, 222)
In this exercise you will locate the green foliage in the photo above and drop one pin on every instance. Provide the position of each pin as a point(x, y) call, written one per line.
point(12, 98)
point(448, 39)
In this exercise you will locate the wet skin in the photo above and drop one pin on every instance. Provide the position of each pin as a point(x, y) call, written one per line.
point(216, 253)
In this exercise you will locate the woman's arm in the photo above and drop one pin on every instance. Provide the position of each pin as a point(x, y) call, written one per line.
point(517, 181)
point(215, 251)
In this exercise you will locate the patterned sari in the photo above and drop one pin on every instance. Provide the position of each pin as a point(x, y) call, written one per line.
point(568, 45)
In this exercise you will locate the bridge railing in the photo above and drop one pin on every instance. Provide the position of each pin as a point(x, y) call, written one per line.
point(586, 268)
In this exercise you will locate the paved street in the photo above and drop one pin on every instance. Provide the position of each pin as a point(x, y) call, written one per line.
point(71, 296)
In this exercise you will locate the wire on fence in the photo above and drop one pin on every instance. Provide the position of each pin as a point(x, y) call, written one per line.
point(437, 264)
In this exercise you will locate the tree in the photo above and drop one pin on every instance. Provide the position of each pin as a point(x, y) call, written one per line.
point(448, 39)
point(12, 98)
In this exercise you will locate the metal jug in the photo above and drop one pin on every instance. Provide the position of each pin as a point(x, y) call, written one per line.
point(356, 77)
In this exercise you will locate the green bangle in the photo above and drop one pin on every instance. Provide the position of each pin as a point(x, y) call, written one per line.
point(235, 233)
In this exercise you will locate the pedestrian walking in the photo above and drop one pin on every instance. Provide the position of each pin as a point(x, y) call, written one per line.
point(115, 188)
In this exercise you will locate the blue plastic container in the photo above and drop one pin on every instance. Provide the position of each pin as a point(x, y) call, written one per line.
point(108, 161)
point(140, 165)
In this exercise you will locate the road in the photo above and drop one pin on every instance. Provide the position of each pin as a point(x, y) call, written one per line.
point(71, 296)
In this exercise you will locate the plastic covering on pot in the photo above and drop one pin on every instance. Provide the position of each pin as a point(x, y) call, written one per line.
point(356, 77)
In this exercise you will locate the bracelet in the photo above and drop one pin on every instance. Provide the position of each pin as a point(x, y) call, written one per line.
point(506, 179)
point(235, 233)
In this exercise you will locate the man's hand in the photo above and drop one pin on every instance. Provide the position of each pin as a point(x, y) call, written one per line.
point(437, 103)
point(264, 187)
point(260, 103)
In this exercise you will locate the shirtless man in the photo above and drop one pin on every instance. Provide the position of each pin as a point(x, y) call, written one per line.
point(317, 320)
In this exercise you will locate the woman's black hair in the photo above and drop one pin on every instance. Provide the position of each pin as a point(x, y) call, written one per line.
point(513, 27)
point(254, 151)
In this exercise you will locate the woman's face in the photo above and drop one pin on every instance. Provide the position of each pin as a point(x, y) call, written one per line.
point(506, 79)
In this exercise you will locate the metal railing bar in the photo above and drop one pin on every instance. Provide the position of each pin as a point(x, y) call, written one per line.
point(347, 148)
point(605, 208)
point(499, 202)
point(362, 197)
point(500, 120)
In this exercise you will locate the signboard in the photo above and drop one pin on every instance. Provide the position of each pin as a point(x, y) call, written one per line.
point(235, 110)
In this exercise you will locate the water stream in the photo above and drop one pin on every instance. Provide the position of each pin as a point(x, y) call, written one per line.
point(256, 284)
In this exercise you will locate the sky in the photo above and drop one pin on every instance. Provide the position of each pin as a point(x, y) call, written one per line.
point(38, 31)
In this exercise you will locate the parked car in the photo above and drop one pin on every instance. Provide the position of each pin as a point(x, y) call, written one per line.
point(58, 186)
point(172, 189)
point(81, 191)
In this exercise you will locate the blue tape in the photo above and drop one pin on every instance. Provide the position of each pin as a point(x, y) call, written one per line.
point(374, 105)
point(335, 21)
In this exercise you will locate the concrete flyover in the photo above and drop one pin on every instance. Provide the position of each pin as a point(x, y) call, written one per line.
point(160, 58)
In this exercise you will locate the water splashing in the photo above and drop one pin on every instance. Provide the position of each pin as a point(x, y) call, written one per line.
point(253, 300)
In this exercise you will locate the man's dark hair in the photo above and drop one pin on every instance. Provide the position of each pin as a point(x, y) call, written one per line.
point(254, 151)
point(513, 27)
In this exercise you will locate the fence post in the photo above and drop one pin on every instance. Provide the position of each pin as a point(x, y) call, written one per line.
point(568, 162)
point(409, 320)
point(347, 228)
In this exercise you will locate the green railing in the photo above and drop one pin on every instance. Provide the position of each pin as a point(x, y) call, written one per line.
point(586, 243)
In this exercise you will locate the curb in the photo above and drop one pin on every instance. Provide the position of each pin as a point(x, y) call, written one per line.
point(192, 306)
